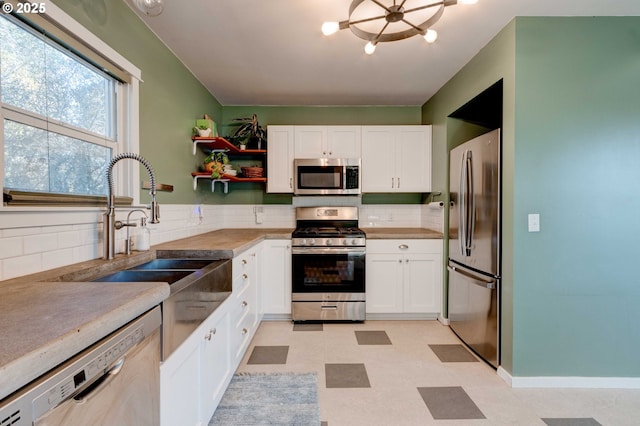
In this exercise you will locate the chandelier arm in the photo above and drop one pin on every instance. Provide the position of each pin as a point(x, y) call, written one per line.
point(366, 20)
point(411, 25)
point(380, 33)
point(415, 9)
point(381, 5)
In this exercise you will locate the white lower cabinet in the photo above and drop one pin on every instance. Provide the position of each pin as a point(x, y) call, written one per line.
point(195, 376)
point(275, 287)
point(404, 277)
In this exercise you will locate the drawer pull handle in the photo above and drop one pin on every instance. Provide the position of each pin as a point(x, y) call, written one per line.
point(244, 304)
point(331, 308)
point(403, 246)
point(244, 331)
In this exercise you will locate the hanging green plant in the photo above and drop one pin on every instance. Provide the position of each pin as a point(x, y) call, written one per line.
point(249, 132)
point(214, 163)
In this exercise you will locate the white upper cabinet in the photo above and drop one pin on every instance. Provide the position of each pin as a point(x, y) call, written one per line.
point(396, 158)
point(327, 141)
point(280, 159)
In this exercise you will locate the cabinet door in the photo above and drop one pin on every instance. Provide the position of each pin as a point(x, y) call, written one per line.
point(413, 161)
point(384, 283)
point(276, 277)
point(310, 141)
point(180, 387)
point(343, 142)
point(280, 159)
point(378, 159)
point(422, 283)
point(215, 365)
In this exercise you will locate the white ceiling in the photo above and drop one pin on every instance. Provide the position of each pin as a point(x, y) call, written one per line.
point(271, 52)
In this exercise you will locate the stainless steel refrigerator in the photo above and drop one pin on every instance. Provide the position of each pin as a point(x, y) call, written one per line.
point(474, 245)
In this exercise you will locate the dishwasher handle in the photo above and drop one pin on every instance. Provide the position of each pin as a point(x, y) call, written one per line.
point(93, 388)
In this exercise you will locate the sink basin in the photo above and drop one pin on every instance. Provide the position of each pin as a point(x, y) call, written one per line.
point(132, 275)
point(174, 264)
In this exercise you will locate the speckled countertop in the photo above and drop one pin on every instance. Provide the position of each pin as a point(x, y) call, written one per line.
point(45, 319)
point(402, 233)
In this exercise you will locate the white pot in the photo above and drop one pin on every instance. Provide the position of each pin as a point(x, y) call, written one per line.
point(243, 147)
point(204, 133)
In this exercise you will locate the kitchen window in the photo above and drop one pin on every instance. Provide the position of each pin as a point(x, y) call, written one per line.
point(65, 111)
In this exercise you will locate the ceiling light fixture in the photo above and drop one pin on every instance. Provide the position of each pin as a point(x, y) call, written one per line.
point(150, 7)
point(401, 20)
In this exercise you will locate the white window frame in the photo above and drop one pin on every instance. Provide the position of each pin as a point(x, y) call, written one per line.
point(126, 173)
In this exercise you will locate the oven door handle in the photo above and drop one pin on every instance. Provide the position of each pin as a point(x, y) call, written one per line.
point(328, 250)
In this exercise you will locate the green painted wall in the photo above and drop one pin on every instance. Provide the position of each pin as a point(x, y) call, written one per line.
point(494, 62)
point(171, 98)
point(571, 140)
point(576, 163)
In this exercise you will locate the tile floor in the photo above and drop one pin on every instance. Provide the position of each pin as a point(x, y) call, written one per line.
point(418, 373)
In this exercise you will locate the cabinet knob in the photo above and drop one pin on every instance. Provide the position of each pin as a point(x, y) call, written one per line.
point(244, 261)
point(403, 246)
point(214, 330)
point(399, 260)
point(245, 276)
point(406, 261)
point(291, 182)
point(244, 331)
point(244, 304)
point(208, 336)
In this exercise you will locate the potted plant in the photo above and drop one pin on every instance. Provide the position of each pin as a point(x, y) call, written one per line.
point(204, 131)
point(249, 131)
point(214, 163)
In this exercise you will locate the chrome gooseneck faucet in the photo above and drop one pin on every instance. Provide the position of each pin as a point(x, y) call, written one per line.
point(110, 213)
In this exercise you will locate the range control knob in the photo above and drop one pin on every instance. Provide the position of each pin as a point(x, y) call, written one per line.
point(329, 242)
point(312, 242)
point(354, 242)
point(345, 241)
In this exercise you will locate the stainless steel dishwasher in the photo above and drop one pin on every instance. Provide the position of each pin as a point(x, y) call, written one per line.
point(116, 381)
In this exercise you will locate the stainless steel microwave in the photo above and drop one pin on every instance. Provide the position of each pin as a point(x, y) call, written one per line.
point(326, 176)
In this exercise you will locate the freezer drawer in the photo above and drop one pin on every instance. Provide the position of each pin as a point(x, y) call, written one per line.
point(474, 310)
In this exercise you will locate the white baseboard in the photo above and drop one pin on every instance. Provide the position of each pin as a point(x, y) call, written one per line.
point(401, 316)
point(443, 320)
point(569, 382)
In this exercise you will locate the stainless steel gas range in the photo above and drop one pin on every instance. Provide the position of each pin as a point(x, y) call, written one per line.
point(328, 260)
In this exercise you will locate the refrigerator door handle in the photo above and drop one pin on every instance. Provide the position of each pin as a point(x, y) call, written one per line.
point(462, 207)
point(471, 206)
point(490, 283)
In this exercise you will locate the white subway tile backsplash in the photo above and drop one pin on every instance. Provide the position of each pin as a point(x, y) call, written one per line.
point(32, 249)
point(21, 265)
point(40, 243)
point(11, 247)
point(56, 258)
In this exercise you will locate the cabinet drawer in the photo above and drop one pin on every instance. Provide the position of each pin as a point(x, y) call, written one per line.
point(404, 246)
point(243, 263)
point(241, 334)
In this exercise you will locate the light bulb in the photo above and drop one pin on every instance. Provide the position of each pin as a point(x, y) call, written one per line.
point(369, 48)
point(329, 28)
point(150, 7)
point(430, 36)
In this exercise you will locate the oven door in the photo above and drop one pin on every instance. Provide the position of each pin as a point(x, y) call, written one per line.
point(328, 270)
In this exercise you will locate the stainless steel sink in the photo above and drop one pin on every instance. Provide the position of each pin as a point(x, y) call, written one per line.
point(134, 275)
point(174, 264)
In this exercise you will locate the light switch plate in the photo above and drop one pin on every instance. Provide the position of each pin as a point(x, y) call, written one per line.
point(534, 222)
